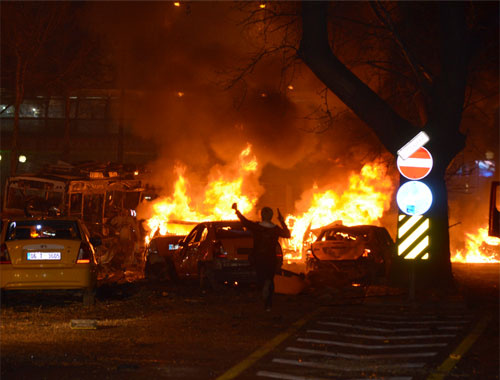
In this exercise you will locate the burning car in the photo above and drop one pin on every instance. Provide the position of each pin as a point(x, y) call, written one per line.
point(215, 252)
point(48, 254)
point(159, 257)
point(355, 252)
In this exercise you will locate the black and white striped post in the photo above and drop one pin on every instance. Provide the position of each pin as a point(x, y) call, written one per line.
point(414, 199)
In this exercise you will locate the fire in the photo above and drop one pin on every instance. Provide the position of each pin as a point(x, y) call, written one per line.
point(480, 248)
point(178, 213)
point(364, 202)
point(367, 197)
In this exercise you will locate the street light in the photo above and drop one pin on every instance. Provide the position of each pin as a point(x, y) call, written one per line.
point(22, 158)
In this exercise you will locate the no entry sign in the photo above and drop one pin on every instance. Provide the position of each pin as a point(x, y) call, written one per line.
point(416, 166)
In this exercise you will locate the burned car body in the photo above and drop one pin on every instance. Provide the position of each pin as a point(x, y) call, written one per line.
point(354, 252)
point(214, 252)
point(91, 193)
point(159, 257)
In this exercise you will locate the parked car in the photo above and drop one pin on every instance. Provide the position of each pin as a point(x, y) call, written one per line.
point(214, 252)
point(359, 252)
point(48, 254)
point(159, 257)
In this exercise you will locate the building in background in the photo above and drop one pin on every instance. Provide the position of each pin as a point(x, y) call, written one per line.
point(87, 125)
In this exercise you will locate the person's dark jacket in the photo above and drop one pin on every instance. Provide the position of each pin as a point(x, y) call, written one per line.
point(265, 237)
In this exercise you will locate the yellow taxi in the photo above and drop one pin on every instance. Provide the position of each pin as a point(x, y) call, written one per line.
point(48, 254)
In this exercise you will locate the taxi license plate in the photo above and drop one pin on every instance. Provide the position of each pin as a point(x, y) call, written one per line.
point(44, 256)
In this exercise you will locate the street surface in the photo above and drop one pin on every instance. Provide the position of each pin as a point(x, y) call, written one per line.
point(155, 331)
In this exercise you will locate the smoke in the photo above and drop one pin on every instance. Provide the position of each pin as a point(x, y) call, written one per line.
point(174, 63)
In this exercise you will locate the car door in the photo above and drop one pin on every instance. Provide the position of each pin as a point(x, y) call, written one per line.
point(182, 255)
point(192, 252)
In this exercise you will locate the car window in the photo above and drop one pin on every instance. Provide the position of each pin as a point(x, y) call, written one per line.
point(231, 231)
point(43, 229)
point(204, 234)
point(200, 232)
point(338, 236)
point(192, 235)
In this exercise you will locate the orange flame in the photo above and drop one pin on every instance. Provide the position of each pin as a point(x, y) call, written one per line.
point(480, 248)
point(364, 202)
point(178, 213)
point(367, 197)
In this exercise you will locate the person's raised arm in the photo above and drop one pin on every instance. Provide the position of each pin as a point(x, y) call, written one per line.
point(284, 231)
point(244, 221)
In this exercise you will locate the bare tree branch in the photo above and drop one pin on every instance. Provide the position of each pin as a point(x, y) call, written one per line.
point(423, 75)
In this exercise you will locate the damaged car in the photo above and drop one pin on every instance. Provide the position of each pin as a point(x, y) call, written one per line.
point(214, 253)
point(217, 252)
point(357, 253)
point(159, 257)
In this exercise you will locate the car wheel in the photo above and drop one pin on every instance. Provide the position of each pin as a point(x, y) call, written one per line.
point(171, 272)
point(147, 271)
point(207, 278)
point(89, 297)
point(3, 297)
point(156, 272)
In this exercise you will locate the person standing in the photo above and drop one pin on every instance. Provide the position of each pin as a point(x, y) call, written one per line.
point(265, 237)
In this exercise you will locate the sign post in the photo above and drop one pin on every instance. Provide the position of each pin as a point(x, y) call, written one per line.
point(414, 199)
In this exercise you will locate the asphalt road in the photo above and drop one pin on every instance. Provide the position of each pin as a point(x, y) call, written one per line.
point(140, 330)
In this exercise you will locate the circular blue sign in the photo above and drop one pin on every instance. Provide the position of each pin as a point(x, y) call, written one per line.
point(414, 198)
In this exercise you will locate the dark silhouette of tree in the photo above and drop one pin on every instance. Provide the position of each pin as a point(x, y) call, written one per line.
point(424, 56)
point(45, 50)
point(26, 27)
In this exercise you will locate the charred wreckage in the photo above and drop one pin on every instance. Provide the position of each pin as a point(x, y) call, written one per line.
point(103, 196)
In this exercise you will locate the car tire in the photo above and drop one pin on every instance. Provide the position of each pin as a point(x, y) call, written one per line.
point(156, 272)
point(207, 278)
point(3, 297)
point(88, 297)
point(171, 272)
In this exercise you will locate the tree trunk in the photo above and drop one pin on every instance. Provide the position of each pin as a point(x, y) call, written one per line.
point(19, 95)
point(393, 130)
point(66, 142)
point(121, 133)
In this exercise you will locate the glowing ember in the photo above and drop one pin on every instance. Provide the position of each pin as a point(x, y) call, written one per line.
point(364, 202)
point(479, 248)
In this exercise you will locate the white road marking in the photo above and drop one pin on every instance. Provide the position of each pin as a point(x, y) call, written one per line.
point(386, 337)
point(403, 317)
point(381, 329)
point(407, 321)
point(371, 347)
point(360, 357)
point(285, 376)
point(344, 368)
point(392, 328)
